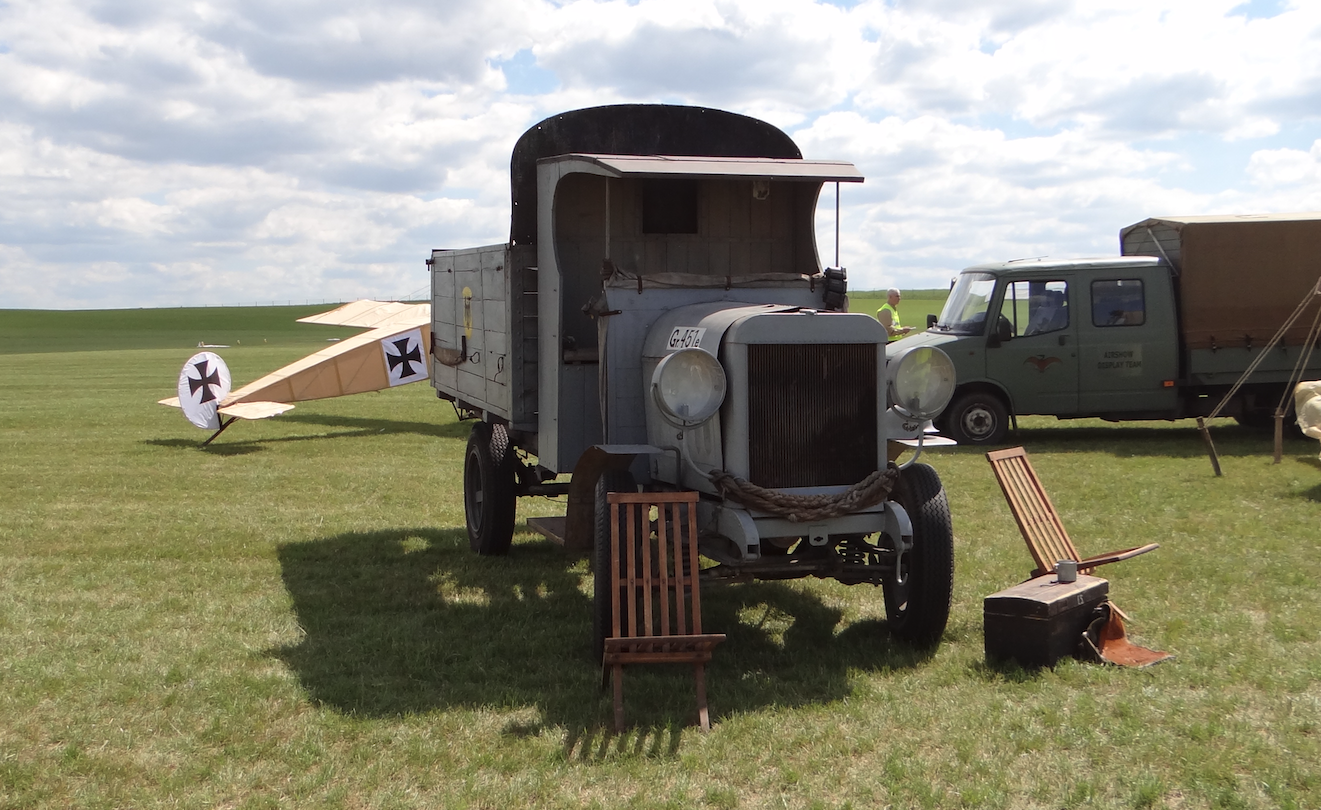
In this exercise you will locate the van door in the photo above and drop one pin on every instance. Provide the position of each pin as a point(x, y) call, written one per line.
point(1039, 361)
point(1128, 346)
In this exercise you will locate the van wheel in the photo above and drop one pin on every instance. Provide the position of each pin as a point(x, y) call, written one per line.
point(602, 613)
point(977, 418)
point(917, 597)
point(490, 494)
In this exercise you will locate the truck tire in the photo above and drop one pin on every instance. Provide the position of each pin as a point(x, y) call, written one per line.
point(490, 494)
point(602, 615)
point(977, 417)
point(1262, 417)
point(918, 610)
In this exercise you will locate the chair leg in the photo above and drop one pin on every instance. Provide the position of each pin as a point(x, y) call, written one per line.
point(618, 678)
point(703, 716)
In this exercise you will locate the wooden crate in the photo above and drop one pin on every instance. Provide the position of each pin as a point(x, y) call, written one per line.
point(1042, 620)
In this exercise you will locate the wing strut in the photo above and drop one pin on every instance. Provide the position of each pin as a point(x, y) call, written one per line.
point(223, 425)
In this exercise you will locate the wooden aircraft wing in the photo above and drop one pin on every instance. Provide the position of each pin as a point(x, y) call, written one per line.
point(372, 361)
point(369, 314)
point(254, 410)
point(393, 352)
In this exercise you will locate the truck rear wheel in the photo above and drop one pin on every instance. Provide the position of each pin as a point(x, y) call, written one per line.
point(602, 613)
point(490, 494)
point(977, 417)
point(918, 607)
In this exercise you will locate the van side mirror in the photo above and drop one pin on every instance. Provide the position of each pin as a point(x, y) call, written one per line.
point(932, 318)
point(1004, 331)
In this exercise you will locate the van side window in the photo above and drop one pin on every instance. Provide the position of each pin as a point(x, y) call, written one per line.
point(1036, 307)
point(1118, 302)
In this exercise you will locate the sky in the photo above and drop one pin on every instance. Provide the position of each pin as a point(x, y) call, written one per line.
point(212, 152)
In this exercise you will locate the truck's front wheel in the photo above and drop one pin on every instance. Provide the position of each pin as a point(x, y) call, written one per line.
point(977, 417)
point(490, 494)
point(917, 597)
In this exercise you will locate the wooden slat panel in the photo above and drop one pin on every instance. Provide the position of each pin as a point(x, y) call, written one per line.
point(614, 568)
point(632, 567)
point(641, 512)
point(664, 567)
point(658, 589)
point(651, 589)
point(1033, 511)
point(692, 567)
point(1037, 520)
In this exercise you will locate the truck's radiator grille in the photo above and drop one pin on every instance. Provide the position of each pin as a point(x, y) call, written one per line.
point(811, 414)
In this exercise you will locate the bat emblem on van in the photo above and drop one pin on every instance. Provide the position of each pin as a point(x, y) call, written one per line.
point(1042, 362)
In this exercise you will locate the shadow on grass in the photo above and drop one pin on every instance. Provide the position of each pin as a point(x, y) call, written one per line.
point(1312, 493)
point(363, 426)
point(1006, 671)
point(231, 443)
point(410, 621)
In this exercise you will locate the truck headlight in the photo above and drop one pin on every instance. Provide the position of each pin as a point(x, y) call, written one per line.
point(689, 386)
point(921, 380)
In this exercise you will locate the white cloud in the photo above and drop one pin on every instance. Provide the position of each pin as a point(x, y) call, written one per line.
point(225, 150)
point(1283, 168)
point(942, 196)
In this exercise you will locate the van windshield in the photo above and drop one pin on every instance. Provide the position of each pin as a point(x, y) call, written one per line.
point(965, 309)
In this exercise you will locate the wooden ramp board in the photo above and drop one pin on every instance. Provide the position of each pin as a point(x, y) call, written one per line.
point(551, 528)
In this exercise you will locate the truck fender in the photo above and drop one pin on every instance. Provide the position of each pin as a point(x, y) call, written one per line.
point(580, 513)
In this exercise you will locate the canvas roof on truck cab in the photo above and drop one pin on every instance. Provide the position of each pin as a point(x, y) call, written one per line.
point(633, 129)
point(1240, 277)
point(748, 168)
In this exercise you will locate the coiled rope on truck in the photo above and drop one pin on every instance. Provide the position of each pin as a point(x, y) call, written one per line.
point(807, 508)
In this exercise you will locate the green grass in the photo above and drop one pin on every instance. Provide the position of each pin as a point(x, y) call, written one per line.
point(24, 331)
point(913, 310)
point(291, 618)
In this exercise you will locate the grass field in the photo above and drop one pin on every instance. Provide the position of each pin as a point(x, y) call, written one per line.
point(913, 310)
point(291, 618)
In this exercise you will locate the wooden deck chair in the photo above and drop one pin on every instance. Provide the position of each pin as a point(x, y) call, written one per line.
point(1038, 520)
point(656, 607)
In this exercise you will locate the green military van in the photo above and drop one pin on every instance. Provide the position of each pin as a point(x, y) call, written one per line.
point(1162, 332)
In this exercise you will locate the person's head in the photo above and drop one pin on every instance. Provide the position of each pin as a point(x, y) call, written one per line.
point(893, 296)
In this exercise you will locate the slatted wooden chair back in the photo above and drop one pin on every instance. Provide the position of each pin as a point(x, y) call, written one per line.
point(656, 604)
point(1037, 519)
point(1036, 516)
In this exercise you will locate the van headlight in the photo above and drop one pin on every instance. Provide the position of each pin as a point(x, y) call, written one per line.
point(688, 386)
point(921, 380)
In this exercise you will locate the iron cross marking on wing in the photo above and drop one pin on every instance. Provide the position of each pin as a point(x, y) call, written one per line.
point(204, 382)
point(406, 357)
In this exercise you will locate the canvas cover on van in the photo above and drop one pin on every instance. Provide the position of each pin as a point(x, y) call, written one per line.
point(1239, 277)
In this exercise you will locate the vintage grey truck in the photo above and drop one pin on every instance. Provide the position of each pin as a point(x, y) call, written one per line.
point(1162, 332)
point(660, 319)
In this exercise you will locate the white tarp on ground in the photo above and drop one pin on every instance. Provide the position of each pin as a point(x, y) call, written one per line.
point(1307, 404)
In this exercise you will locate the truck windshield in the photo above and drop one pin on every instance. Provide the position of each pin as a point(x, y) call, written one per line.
point(965, 309)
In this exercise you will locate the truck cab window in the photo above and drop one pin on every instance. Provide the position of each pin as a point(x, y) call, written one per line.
point(1036, 307)
point(669, 206)
point(1118, 302)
